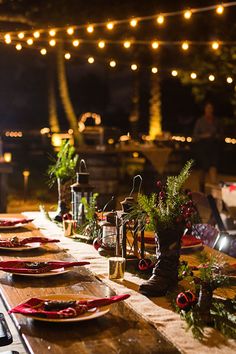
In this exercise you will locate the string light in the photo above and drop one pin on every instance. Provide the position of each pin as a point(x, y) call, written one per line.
point(43, 51)
point(215, 45)
point(18, 46)
point(36, 34)
point(110, 26)
point(127, 44)
point(90, 29)
point(29, 41)
point(91, 60)
point(70, 30)
point(101, 44)
point(185, 45)
point(154, 70)
point(52, 42)
point(160, 19)
point(133, 22)
point(174, 73)
point(52, 33)
point(187, 14)
point(211, 77)
point(229, 80)
point(7, 38)
point(134, 67)
point(21, 35)
point(67, 56)
point(193, 76)
point(75, 42)
point(155, 45)
point(220, 10)
point(112, 63)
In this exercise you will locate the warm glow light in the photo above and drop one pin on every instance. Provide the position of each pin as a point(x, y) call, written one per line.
point(36, 34)
point(127, 44)
point(90, 29)
point(18, 46)
point(229, 80)
point(135, 154)
point(220, 10)
point(70, 30)
point(174, 73)
point(70, 131)
point(21, 35)
point(110, 141)
point(7, 38)
point(160, 19)
point(52, 32)
point(134, 67)
point(187, 14)
point(43, 51)
point(133, 22)
point(91, 60)
point(56, 140)
point(211, 77)
point(110, 26)
point(215, 45)
point(101, 44)
point(112, 63)
point(75, 42)
point(45, 130)
point(7, 157)
point(185, 45)
point(154, 70)
point(189, 139)
point(193, 76)
point(67, 56)
point(26, 173)
point(52, 42)
point(30, 41)
point(155, 45)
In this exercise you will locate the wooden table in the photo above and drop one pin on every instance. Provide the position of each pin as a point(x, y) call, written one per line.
point(120, 331)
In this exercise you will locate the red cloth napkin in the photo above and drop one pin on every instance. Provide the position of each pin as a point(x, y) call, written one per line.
point(189, 240)
point(35, 307)
point(43, 267)
point(8, 222)
point(14, 242)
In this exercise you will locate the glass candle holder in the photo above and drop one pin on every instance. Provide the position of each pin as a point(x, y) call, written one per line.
point(116, 268)
point(69, 227)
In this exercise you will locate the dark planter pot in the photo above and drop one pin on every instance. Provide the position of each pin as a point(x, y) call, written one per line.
point(64, 198)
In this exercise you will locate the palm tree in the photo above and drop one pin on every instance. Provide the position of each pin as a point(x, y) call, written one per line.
point(52, 105)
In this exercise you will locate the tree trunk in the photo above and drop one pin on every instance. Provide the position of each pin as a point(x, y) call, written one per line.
point(134, 114)
point(52, 105)
point(65, 96)
point(155, 127)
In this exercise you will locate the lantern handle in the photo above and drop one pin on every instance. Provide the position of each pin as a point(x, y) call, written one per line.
point(106, 205)
point(82, 166)
point(140, 183)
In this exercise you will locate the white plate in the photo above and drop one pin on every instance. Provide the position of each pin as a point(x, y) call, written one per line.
point(91, 314)
point(41, 275)
point(30, 246)
point(12, 226)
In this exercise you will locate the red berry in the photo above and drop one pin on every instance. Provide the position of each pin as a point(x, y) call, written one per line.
point(159, 184)
point(96, 243)
point(67, 216)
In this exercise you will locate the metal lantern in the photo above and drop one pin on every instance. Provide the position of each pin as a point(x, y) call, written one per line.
point(131, 232)
point(81, 189)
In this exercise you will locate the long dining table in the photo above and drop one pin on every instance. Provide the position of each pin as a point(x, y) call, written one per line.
point(137, 325)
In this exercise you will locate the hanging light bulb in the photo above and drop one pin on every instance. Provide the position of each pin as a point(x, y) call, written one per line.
point(154, 70)
point(21, 35)
point(174, 73)
point(215, 45)
point(70, 30)
point(187, 14)
point(133, 22)
point(91, 60)
point(219, 9)
point(36, 34)
point(155, 45)
point(52, 42)
point(75, 42)
point(29, 41)
point(211, 77)
point(185, 45)
point(67, 56)
point(193, 76)
point(101, 44)
point(134, 67)
point(160, 19)
point(90, 29)
point(18, 46)
point(112, 63)
point(43, 51)
point(127, 44)
point(110, 26)
point(229, 80)
point(7, 38)
point(52, 33)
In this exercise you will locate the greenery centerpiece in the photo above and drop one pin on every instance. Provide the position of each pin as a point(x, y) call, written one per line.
point(62, 171)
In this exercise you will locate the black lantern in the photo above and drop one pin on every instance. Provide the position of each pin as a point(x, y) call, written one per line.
point(81, 189)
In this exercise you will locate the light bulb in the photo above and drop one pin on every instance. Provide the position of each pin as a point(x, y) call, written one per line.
point(193, 76)
point(211, 77)
point(174, 73)
point(220, 10)
point(91, 60)
point(127, 44)
point(36, 34)
point(101, 44)
point(134, 67)
point(110, 26)
point(21, 35)
point(185, 45)
point(133, 22)
point(215, 45)
point(112, 63)
point(52, 42)
point(70, 30)
point(43, 51)
point(29, 41)
point(67, 56)
point(155, 45)
point(154, 70)
point(90, 29)
point(75, 42)
point(187, 14)
point(52, 32)
point(229, 80)
point(160, 19)
point(7, 38)
point(18, 46)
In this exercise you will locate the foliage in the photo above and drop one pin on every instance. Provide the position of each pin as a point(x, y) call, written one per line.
point(91, 227)
point(64, 165)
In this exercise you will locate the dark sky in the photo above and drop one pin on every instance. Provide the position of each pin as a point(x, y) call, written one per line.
point(23, 84)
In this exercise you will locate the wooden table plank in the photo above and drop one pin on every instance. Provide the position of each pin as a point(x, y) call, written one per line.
point(120, 331)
